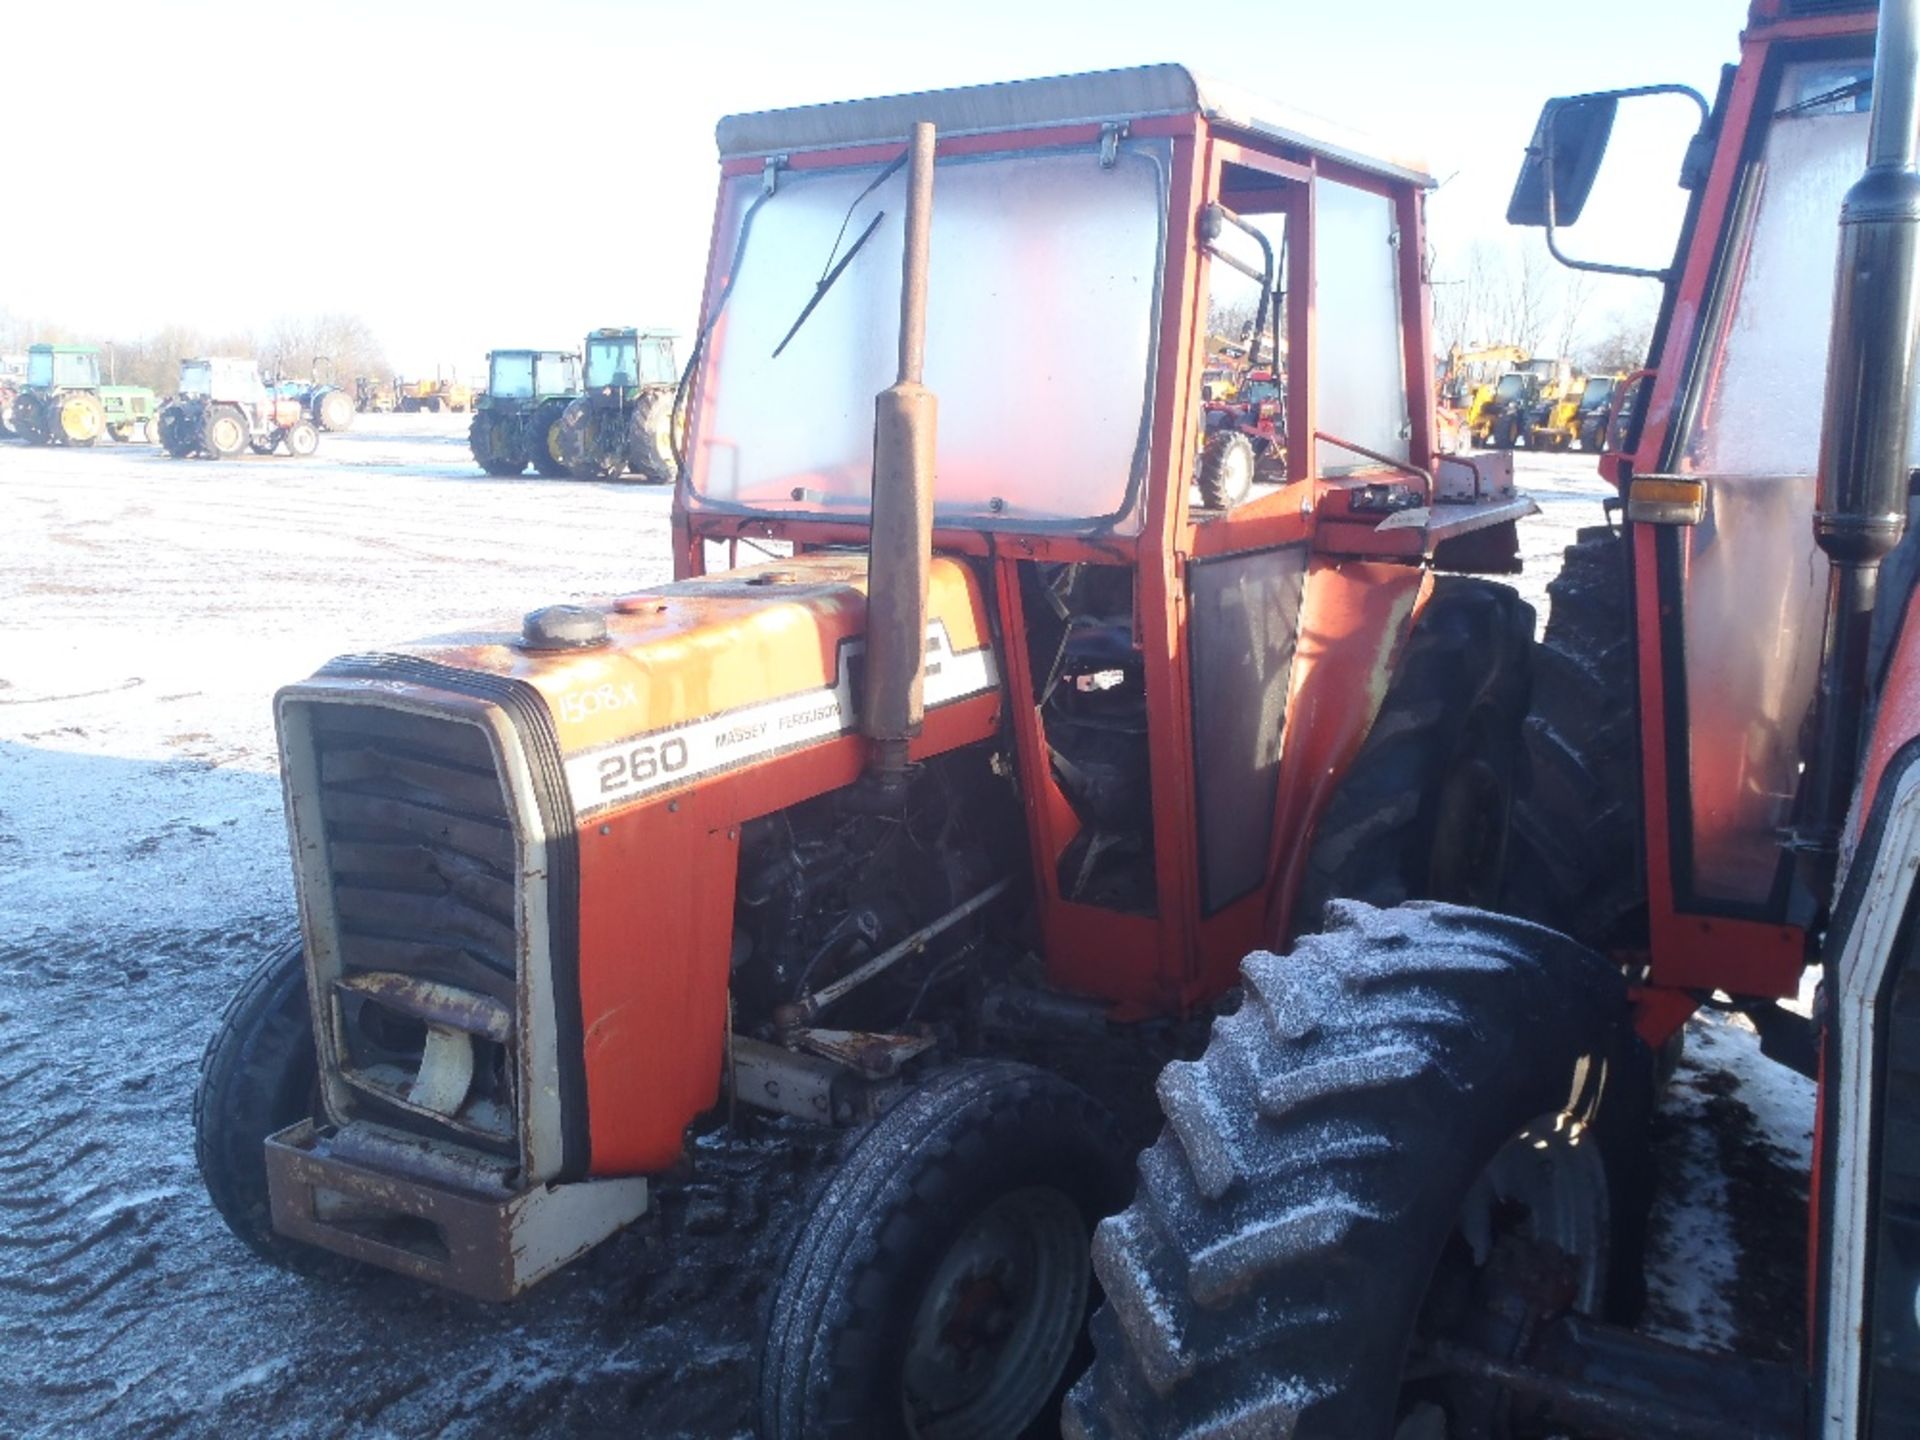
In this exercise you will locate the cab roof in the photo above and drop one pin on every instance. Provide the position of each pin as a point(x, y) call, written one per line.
point(1098, 97)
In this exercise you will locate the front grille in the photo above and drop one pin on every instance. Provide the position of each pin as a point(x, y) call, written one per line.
point(421, 863)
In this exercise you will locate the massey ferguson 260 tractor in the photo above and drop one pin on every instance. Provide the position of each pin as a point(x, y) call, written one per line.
point(1017, 752)
point(1398, 1195)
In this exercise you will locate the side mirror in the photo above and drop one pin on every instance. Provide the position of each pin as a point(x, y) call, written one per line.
point(1568, 144)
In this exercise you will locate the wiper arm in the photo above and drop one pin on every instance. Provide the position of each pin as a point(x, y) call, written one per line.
point(832, 272)
point(825, 282)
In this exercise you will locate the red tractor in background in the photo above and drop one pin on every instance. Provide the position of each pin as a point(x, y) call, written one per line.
point(1400, 1193)
point(1243, 434)
point(987, 785)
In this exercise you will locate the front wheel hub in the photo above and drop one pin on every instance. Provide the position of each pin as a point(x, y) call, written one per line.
point(999, 1319)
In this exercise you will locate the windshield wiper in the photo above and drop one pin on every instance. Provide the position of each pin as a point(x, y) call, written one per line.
point(825, 282)
point(833, 270)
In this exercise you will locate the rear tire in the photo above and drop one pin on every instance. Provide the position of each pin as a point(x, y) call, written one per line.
point(258, 1076)
point(494, 446)
point(225, 433)
point(543, 439)
point(1319, 1158)
point(903, 1306)
point(1576, 830)
point(81, 419)
point(1425, 809)
point(334, 411)
point(650, 436)
point(589, 452)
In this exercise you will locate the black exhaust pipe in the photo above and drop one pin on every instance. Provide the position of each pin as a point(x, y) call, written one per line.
point(900, 552)
point(1860, 503)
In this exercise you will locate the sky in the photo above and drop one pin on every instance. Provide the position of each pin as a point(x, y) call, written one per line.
point(480, 174)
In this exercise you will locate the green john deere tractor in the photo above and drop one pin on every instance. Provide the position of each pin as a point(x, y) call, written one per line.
point(64, 403)
point(518, 420)
point(624, 420)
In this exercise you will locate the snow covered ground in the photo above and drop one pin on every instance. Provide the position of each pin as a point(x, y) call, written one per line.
point(151, 608)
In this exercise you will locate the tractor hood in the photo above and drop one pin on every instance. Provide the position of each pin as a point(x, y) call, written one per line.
point(712, 674)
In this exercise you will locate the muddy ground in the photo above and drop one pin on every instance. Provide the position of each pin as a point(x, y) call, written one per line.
point(151, 607)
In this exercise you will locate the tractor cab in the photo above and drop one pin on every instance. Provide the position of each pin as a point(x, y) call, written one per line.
point(1160, 617)
point(531, 374)
point(625, 359)
point(63, 367)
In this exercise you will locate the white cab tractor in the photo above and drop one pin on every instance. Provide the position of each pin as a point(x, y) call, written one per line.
point(223, 407)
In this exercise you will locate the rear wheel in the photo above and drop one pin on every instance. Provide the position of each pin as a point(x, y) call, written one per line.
point(258, 1076)
point(650, 437)
point(334, 411)
point(590, 444)
point(543, 439)
point(1400, 1108)
point(495, 444)
point(1576, 828)
point(941, 1283)
point(82, 419)
point(1225, 472)
point(226, 432)
point(179, 432)
point(1425, 809)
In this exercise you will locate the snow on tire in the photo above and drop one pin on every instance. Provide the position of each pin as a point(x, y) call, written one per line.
point(1268, 1276)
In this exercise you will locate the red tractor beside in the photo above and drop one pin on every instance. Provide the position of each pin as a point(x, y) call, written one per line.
point(1400, 1194)
point(1008, 762)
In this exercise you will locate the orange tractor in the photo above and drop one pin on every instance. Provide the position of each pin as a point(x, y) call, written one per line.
point(1016, 754)
point(1399, 1194)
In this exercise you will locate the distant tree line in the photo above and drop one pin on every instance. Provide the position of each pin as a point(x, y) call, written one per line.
point(289, 346)
point(1491, 294)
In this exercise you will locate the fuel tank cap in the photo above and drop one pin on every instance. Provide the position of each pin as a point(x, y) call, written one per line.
point(563, 627)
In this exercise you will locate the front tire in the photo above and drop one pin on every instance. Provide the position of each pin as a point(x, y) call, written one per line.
point(1349, 1139)
point(258, 1076)
point(302, 439)
point(940, 1285)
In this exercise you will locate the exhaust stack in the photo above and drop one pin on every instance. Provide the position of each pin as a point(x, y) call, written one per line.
point(1860, 502)
point(901, 547)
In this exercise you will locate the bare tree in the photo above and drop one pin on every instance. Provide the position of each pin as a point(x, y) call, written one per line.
point(1622, 346)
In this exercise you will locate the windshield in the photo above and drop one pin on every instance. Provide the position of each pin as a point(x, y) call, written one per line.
point(1598, 392)
point(1260, 390)
point(510, 375)
point(611, 362)
point(555, 375)
point(1511, 387)
point(1041, 313)
point(66, 369)
point(196, 378)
